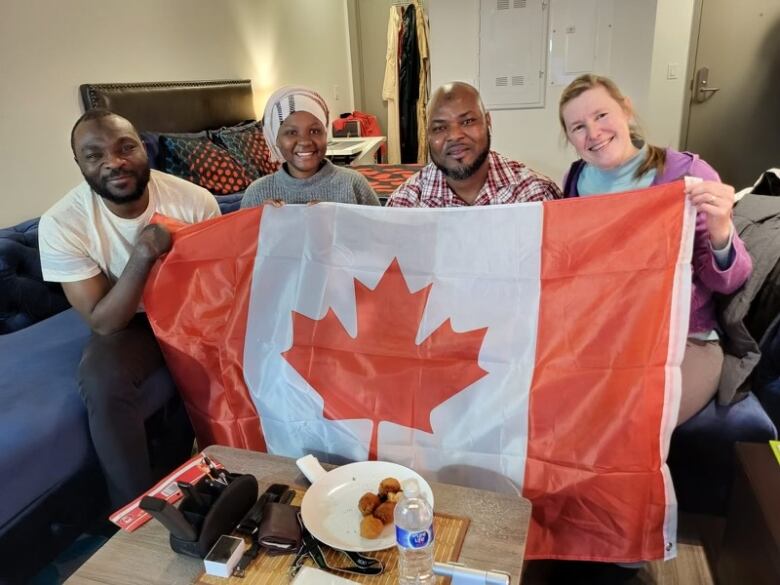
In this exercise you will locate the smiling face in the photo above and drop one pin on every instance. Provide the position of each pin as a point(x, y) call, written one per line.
point(303, 140)
point(112, 159)
point(597, 126)
point(458, 132)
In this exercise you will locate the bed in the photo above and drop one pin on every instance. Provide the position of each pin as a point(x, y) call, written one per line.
point(174, 106)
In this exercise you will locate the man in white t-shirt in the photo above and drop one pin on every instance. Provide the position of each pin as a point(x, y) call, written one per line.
point(97, 241)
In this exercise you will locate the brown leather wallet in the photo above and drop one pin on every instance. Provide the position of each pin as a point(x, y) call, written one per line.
point(279, 531)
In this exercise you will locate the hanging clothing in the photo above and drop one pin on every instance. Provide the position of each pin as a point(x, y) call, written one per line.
point(409, 86)
point(390, 86)
point(425, 84)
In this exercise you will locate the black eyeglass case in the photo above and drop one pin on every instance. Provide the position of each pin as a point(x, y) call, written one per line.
point(202, 517)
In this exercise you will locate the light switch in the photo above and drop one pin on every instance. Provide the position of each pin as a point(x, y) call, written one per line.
point(672, 71)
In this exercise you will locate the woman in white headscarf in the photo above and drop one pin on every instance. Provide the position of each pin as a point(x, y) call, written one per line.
point(295, 126)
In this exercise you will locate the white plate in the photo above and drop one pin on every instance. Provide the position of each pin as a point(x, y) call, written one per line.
point(330, 506)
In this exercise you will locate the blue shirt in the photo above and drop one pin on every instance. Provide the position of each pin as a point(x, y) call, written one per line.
point(594, 181)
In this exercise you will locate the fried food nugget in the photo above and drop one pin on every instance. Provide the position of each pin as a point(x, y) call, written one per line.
point(370, 527)
point(396, 497)
point(368, 503)
point(389, 485)
point(385, 512)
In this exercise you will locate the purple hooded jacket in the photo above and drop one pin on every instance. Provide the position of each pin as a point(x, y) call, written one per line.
point(708, 278)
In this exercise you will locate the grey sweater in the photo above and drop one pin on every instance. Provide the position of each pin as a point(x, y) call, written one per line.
point(331, 183)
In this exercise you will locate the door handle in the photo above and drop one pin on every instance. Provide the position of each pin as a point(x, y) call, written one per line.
point(701, 91)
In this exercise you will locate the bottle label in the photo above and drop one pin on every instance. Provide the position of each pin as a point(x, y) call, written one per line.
point(407, 539)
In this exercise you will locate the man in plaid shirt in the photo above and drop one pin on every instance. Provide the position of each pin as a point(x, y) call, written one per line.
point(464, 171)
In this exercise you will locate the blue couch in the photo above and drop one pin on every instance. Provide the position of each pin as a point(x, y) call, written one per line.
point(24, 299)
point(53, 487)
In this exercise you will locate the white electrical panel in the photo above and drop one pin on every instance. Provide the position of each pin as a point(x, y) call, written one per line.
point(580, 38)
point(513, 53)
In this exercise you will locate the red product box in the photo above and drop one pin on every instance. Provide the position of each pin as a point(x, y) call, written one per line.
point(130, 517)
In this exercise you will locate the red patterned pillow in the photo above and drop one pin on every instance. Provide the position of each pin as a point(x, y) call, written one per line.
point(202, 162)
point(384, 179)
point(247, 145)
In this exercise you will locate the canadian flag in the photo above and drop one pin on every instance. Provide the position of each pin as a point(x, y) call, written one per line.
point(533, 347)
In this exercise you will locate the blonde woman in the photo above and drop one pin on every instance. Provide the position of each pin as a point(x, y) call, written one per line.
point(599, 123)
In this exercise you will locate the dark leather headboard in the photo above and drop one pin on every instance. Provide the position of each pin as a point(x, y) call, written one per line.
point(176, 106)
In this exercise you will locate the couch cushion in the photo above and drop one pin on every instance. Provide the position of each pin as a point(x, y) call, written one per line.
point(230, 203)
point(43, 426)
point(44, 436)
point(202, 162)
point(701, 456)
point(25, 232)
point(24, 297)
point(766, 376)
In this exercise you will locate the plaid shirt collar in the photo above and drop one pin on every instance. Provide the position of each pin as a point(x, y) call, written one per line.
point(435, 187)
point(507, 181)
point(501, 175)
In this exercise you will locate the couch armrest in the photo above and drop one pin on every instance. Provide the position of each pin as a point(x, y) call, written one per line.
point(24, 297)
point(766, 376)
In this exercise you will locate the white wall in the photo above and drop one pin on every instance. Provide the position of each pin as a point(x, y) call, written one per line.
point(667, 97)
point(646, 35)
point(48, 48)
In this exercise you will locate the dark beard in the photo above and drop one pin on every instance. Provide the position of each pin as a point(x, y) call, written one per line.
point(101, 188)
point(461, 173)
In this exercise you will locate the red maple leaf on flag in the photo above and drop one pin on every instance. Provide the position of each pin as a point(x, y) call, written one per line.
point(383, 374)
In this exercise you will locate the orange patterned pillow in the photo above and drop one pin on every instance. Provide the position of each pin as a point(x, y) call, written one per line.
point(247, 145)
point(200, 161)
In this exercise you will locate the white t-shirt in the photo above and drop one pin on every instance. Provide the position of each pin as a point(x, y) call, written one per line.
point(79, 237)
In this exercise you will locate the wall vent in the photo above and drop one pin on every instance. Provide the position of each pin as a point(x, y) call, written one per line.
point(512, 53)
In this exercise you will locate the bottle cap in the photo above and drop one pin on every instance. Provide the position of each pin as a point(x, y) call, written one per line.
point(411, 488)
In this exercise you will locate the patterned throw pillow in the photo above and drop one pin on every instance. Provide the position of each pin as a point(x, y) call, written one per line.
point(247, 145)
point(202, 162)
point(384, 179)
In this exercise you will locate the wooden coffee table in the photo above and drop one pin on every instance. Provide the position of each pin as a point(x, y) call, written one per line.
point(495, 538)
point(751, 544)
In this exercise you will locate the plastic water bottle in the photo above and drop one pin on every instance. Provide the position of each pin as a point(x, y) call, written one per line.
point(414, 535)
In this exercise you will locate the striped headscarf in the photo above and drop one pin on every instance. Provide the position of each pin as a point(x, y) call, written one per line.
point(285, 101)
